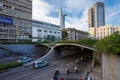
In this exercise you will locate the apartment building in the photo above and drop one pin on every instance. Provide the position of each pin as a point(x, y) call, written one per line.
point(15, 20)
point(104, 31)
point(74, 34)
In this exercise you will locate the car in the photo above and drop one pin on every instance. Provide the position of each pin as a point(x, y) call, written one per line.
point(24, 59)
point(40, 64)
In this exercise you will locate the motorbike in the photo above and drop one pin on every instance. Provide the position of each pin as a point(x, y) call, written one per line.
point(67, 71)
point(57, 72)
point(75, 70)
point(77, 61)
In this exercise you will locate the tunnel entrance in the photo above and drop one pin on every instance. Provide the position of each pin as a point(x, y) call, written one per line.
point(65, 51)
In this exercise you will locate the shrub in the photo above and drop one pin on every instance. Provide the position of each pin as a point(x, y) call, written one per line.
point(87, 42)
point(10, 65)
point(110, 44)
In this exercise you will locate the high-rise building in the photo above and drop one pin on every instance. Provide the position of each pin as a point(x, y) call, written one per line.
point(99, 14)
point(62, 18)
point(91, 22)
point(96, 18)
point(90, 17)
point(15, 20)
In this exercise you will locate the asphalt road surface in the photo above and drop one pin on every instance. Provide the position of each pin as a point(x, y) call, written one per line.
point(46, 73)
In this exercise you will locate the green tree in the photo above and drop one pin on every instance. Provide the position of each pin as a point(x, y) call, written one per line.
point(110, 44)
point(64, 34)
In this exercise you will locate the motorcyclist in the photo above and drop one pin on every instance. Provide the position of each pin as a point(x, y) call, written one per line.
point(67, 71)
point(75, 69)
point(77, 61)
point(55, 77)
point(81, 59)
point(57, 72)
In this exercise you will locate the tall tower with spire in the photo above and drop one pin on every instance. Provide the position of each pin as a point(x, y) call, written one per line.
point(62, 18)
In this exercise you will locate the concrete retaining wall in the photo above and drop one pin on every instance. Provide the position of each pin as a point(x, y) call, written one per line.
point(29, 49)
point(2, 53)
point(110, 67)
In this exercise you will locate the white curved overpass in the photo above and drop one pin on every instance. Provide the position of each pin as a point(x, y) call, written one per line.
point(52, 53)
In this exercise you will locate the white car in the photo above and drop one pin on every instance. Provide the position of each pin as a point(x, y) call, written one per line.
point(24, 59)
point(40, 64)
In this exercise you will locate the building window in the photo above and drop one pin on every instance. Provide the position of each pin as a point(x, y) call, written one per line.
point(1, 4)
point(113, 28)
point(7, 6)
point(50, 31)
point(39, 30)
point(58, 32)
point(55, 32)
point(45, 30)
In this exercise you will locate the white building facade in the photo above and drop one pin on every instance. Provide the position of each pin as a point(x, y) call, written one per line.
point(104, 31)
point(42, 31)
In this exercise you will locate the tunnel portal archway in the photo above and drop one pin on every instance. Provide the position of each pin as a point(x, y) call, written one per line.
point(68, 50)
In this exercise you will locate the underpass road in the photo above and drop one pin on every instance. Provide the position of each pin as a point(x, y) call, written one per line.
point(46, 73)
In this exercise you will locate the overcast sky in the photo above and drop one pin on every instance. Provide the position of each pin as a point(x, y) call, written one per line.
point(76, 10)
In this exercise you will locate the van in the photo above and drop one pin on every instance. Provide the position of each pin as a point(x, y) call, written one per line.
point(40, 64)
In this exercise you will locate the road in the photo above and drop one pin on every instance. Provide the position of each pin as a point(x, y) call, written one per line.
point(15, 58)
point(46, 73)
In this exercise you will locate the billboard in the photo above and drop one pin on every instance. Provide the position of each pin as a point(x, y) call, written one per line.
point(6, 20)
